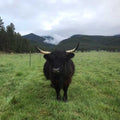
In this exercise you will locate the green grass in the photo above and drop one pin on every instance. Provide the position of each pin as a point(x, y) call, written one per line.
point(94, 93)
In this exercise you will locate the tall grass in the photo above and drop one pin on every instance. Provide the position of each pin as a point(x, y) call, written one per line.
point(94, 93)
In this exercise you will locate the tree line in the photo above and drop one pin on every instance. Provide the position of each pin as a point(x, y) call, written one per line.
point(10, 41)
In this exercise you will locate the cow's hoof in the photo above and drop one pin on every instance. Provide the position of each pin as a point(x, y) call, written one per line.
point(59, 98)
point(65, 99)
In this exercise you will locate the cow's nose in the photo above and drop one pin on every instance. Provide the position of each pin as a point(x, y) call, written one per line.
point(56, 70)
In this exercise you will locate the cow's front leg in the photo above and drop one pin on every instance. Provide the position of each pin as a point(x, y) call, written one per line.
point(58, 93)
point(65, 88)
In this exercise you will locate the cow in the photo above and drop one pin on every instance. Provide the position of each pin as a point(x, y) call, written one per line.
point(59, 69)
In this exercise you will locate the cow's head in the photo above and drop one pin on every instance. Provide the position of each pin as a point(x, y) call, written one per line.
point(57, 59)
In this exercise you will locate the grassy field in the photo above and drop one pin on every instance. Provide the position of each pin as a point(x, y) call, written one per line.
point(94, 93)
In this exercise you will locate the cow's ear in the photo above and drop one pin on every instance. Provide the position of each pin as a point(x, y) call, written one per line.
point(47, 56)
point(70, 55)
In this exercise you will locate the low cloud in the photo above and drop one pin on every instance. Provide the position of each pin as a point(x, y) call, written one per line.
point(56, 39)
point(62, 19)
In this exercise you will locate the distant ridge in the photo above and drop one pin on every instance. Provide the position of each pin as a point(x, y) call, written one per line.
point(91, 42)
point(118, 35)
point(37, 40)
point(34, 38)
point(87, 42)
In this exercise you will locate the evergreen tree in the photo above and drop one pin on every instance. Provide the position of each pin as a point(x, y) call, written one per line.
point(10, 37)
point(1, 24)
point(2, 35)
point(10, 41)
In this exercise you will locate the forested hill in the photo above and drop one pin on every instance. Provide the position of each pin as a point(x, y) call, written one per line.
point(37, 40)
point(87, 42)
point(10, 41)
point(34, 38)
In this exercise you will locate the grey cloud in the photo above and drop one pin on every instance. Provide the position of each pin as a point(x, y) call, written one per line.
point(62, 18)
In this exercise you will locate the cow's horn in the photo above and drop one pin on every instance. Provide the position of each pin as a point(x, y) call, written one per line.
point(72, 50)
point(44, 52)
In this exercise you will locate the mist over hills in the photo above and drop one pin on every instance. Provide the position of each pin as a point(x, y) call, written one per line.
point(87, 42)
point(37, 40)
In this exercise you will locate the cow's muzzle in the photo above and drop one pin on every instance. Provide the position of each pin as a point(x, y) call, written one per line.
point(56, 70)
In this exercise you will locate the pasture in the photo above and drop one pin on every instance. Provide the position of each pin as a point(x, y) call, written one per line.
point(94, 93)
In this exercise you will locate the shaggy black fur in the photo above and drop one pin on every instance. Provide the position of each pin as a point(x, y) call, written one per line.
point(59, 68)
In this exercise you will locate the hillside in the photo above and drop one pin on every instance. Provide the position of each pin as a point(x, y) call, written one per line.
point(34, 38)
point(39, 40)
point(87, 42)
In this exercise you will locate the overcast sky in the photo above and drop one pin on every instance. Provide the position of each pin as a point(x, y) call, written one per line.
point(62, 18)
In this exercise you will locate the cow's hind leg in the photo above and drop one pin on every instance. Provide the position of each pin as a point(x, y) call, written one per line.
point(58, 93)
point(65, 88)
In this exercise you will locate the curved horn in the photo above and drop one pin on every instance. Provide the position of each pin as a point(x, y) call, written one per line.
point(44, 52)
point(73, 50)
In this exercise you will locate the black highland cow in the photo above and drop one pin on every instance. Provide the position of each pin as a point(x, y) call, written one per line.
point(59, 68)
